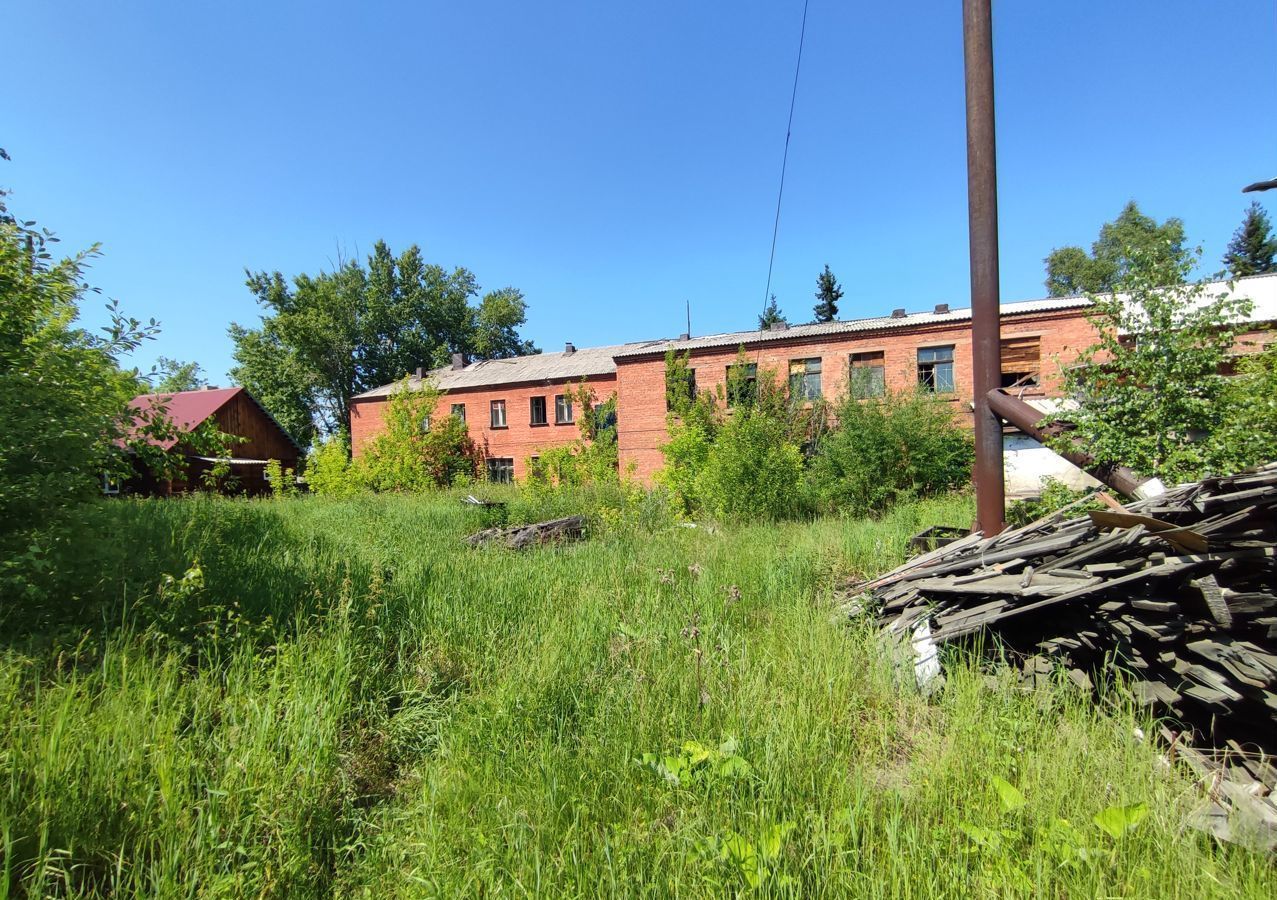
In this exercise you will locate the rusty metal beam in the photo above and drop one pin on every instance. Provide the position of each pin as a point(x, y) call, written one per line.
point(1027, 419)
point(982, 206)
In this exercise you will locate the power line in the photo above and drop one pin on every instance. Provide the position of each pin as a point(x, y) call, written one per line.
point(789, 128)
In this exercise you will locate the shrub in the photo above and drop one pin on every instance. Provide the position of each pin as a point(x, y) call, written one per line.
point(1055, 496)
point(751, 471)
point(883, 451)
point(418, 451)
point(328, 468)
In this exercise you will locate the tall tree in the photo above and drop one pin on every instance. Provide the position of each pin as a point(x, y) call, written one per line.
point(1070, 270)
point(771, 315)
point(174, 376)
point(325, 338)
point(1149, 393)
point(828, 293)
point(1253, 249)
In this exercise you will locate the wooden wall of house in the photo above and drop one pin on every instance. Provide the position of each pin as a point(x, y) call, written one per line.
point(266, 440)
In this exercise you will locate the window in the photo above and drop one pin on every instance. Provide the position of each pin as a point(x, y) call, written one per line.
point(804, 379)
point(110, 486)
point(563, 410)
point(498, 414)
point(742, 384)
point(935, 369)
point(538, 411)
point(868, 375)
point(1021, 360)
point(675, 392)
point(459, 410)
point(501, 469)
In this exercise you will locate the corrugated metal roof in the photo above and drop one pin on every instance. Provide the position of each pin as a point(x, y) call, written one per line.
point(736, 338)
point(187, 409)
point(559, 366)
point(586, 361)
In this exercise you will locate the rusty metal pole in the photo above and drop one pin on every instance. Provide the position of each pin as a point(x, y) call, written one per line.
point(982, 207)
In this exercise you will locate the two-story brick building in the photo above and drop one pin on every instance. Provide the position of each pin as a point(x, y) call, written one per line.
point(516, 408)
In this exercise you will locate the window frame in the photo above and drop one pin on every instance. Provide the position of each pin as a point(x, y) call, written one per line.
point(928, 368)
point(749, 381)
point(454, 411)
point(868, 361)
point(493, 406)
point(500, 469)
point(803, 379)
point(533, 421)
point(564, 402)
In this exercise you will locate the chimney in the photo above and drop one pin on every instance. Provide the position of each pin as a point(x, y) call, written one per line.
point(458, 360)
point(685, 336)
point(569, 348)
point(942, 308)
point(421, 373)
point(210, 387)
point(898, 313)
point(778, 326)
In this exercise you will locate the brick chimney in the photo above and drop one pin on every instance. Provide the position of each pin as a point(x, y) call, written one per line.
point(898, 313)
point(778, 326)
point(421, 373)
point(942, 308)
point(458, 360)
point(569, 348)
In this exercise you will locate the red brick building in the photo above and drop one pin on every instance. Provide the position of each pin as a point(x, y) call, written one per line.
point(510, 405)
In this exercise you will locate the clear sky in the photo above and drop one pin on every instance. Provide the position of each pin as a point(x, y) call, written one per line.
point(614, 160)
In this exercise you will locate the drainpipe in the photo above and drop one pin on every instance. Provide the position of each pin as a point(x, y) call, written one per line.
point(982, 208)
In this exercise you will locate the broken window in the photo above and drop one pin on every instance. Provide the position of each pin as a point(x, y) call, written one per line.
point(804, 379)
point(676, 391)
point(459, 410)
point(868, 375)
point(742, 384)
point(537, 411)
point(935, 369)
point(498, 414)
point(1021, 360)
point(563, 410)
point(501, 469)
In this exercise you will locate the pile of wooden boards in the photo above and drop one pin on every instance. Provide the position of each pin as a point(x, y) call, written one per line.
point(521, 537)
point(1179, 590)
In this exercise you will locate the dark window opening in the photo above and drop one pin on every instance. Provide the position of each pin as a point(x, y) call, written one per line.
point(804, 379)
point(742, 384)
point(675, 391)
point(501, 470)
point(935, 369)
point(459, 410)
point(538, 411)
point(868, 375)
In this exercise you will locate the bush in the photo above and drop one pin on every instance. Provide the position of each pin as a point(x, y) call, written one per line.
point(1055, 496)
point(418, 451)
point(751, 471)
point(883, 451)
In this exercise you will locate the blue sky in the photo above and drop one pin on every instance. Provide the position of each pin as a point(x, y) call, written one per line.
point(613, 160)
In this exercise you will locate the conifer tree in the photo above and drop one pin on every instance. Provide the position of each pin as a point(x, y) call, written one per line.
point(828, 293)
point(771, 315)
point(1253, 249)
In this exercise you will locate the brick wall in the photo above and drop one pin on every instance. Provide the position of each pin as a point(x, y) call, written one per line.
point(519, 440)
point(640, 382)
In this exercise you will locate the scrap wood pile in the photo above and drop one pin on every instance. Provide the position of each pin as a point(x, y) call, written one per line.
point(521, 537)
point(1179, 590)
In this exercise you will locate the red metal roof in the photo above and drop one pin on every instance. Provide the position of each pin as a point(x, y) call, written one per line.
point(186, 409)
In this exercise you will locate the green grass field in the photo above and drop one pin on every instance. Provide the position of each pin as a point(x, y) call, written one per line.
point(343, 701)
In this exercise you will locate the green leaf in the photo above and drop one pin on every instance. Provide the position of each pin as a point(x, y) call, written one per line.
point(1011, 798)
point(986, 838)
point(773, 839)
point(1116, 821)
point(695, 752)
point(734, 767)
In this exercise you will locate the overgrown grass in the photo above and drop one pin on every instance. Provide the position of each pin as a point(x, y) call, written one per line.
point(348, 703)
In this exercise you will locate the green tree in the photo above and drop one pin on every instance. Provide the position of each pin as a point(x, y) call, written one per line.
point(1253, 249)
point(417, 451)
point(325, 338)
point(1149, 392)
point(173, 376)
point(1071, 271)
point(771, 315)
point(828, 293)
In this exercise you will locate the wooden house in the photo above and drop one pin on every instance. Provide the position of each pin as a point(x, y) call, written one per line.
point(233, 411)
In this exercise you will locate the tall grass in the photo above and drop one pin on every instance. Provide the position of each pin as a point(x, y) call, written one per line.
point(352, 704)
